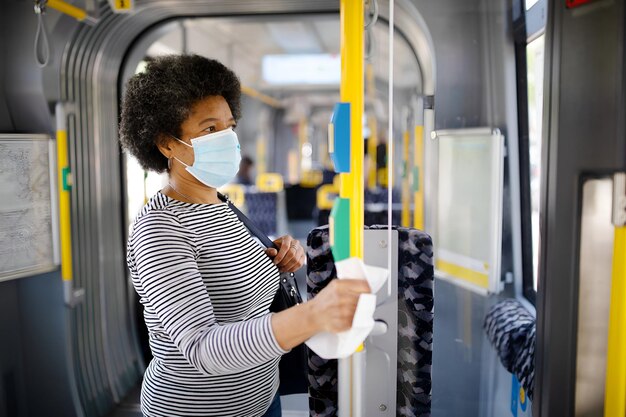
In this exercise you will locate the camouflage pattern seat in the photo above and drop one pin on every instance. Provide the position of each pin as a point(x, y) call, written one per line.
point(511, 330)
point(415, 323)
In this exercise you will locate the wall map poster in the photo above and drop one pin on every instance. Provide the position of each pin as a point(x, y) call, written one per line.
point(27, 214)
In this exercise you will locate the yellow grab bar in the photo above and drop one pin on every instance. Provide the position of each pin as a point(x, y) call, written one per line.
point(64, 184)
point(372, 143)
point(615, 390)
point(70, 10)
point(351, 90)
point(418, 179)
point(263, 98)
point(406, 191)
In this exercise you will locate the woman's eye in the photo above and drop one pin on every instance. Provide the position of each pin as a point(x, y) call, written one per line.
point(210, 129)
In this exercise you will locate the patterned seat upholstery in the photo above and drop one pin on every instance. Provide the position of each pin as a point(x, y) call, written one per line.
point(261, 209)
point(511, 330)
point(415, 323)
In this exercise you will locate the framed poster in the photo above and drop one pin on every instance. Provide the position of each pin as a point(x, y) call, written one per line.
point(28, 220)
point(469, 207)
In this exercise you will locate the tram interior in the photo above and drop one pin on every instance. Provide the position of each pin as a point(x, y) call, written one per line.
point(451, 140)
point(289, 68)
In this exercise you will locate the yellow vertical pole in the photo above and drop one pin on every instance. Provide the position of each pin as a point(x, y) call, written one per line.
point(406, 192)
point(64, 186)
point(302, 139)
point(261, 153)
point(418, 179)
point(615, 393)
point(351, 90)
point(350, 390)
point(372, 143)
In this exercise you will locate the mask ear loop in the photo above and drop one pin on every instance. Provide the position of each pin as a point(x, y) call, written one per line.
point(169, 161)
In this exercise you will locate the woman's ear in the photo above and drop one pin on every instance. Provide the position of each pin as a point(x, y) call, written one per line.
point(164, 144)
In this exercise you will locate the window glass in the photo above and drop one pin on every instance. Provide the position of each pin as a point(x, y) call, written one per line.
point(534, 59)
point(530, 3)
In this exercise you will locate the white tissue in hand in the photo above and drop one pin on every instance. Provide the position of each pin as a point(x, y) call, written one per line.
point(355, 268)
point(341, 345)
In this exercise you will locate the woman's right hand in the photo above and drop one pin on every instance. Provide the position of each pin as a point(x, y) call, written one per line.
point(333, 308)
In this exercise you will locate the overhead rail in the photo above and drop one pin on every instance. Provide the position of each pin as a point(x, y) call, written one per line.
point(42, 45)
point(263, 98)
point(66, 8)
point(615, 394)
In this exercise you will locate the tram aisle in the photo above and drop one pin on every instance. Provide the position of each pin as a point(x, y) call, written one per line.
point(292, 405)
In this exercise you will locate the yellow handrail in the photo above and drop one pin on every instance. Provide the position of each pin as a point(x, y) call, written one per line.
point(406, 192)
point(418, 179)
point(263, 98)
point(372, 143)
point(351, 184)
point(351, 90)
point(70, 10)
point(615, 392)
point(64, 183)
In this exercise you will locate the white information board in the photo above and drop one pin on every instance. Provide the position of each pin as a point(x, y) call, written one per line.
point(27, 212)
point(469, 207)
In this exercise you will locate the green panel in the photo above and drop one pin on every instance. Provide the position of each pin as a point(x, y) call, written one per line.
point(416, 179)
point(65, 172)
point(340, 229)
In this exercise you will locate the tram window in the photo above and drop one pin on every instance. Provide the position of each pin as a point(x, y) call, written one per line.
point(530, 3)
point(140, 185)
point(534, 62)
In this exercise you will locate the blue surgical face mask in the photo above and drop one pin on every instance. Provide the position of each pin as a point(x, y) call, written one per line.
point(216, 157)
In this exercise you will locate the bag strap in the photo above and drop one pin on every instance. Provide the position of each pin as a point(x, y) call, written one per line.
point(253, 228)
point(287, 279)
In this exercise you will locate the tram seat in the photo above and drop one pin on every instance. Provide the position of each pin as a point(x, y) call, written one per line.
point(375, 215)
point(380, 195)
point(262, 209)
point(511, 330)
point(415, 323)
point(300, 202)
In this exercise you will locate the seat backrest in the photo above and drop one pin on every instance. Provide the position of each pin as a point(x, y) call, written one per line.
point(261, 208)
point(511, 330)
point(415, 323)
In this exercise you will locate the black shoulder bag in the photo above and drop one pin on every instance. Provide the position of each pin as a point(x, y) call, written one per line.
point(293, 367)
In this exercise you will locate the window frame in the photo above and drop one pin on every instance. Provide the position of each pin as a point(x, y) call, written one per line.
point(527, 26)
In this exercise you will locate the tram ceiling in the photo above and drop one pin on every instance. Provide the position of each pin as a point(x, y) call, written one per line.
point(242, 43)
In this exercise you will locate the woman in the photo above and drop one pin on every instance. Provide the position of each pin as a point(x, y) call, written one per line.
point(205, 285)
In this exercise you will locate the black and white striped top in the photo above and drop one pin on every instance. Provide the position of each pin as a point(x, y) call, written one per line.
point(206, 287)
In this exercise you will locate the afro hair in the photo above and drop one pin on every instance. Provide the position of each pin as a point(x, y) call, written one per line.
point(158, 101)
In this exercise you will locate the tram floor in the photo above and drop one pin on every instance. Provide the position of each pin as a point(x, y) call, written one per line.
point(129, 407)
point(292, 405)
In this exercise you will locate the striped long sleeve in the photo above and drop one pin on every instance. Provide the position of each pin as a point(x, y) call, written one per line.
point(206, 288)
point(165, 261)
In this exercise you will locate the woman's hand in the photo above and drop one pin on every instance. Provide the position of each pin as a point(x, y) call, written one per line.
point(332, 310)
point(290, 255)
